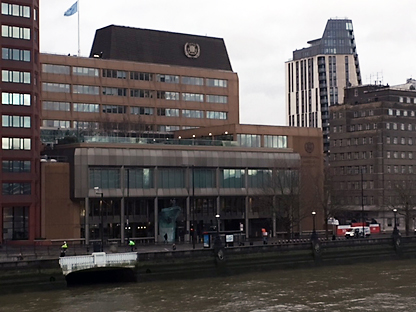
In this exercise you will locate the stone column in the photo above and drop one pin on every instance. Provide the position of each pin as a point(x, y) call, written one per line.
point(156, 219)
point(87, 220)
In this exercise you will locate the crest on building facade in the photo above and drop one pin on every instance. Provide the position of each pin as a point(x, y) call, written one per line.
point(309, 147)
point(192, 50)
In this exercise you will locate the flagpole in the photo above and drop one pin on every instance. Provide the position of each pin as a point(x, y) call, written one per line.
point(79, 45)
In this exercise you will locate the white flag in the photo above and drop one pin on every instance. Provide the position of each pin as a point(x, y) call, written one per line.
point(72, 10)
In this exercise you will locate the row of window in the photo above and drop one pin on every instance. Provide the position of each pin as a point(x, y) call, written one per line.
point(395, 140)
point(396, 155)
point(15, 54)
point(15, 143)
point(401, 112)
point(362, 127)
point(356, 170)
point(166, 95)
point(134, 75)
point(16, 188)
point(15, 32)
point(350, 155)
point(16, 166)
point(353, 141)
point(18, 99)
point(15, 10)
point(143, 178)
point(14, 121)
point(15, 76)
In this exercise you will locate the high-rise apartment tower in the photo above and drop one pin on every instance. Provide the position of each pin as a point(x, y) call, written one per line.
point(317, 75)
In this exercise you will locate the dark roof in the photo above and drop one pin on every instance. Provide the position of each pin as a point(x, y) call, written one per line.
point(158, 47)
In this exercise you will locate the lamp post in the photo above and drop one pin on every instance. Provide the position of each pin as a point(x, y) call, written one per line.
point(362, 200)
point(217, 216)
point(193, 207)
point(395, 222)
point(99, 191)
point(314, 235)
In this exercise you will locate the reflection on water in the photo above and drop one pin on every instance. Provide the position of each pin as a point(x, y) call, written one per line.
point(387, 286)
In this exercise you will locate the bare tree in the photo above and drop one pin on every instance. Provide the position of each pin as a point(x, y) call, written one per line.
point(281, 194)
point(403, 198)
point(326, 196)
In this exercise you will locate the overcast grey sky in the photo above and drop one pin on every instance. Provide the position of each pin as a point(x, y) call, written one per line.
point(260, 37)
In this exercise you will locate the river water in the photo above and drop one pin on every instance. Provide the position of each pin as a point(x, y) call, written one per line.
point(382, 286)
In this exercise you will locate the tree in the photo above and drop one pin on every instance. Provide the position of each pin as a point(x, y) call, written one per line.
point(327, 196)
point(403, 198)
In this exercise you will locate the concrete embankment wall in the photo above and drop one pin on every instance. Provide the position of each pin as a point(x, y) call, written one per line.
point(234, 260)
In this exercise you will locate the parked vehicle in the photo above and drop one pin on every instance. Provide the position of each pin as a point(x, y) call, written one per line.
point(356, 232)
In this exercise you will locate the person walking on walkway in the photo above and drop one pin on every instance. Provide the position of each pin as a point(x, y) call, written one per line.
point(64, 248)
point(132, 244)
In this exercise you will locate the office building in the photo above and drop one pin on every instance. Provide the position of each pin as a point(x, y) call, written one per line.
point(372, 151)
point(20, 110)
point(317, 75)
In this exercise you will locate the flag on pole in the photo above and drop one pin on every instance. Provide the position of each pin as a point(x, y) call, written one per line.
point(72, 10)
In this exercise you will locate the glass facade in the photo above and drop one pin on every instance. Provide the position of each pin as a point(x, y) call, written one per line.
point(139, 178)
point(104, 178)
point(232, 178)
point(169, 178)
point(15, 223)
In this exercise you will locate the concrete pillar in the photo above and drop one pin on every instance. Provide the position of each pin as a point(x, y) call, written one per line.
point(188, 220)
point(156, 219)
point(247, 206)
point(87, 220)
point(274, 216)
point(122, 217)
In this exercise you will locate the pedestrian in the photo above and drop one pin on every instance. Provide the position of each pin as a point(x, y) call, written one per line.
point(264, 232)
point(64, 248)
point(132, 244)
point(166, 238)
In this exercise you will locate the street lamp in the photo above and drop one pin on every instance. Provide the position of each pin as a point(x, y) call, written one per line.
point(362, 199)
point(193, 207)
point(99, 191)
point(218, 224)
point(395, 222)
point(314, 235)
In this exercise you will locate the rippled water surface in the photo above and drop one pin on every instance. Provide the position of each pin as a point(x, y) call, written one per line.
point(386, 286)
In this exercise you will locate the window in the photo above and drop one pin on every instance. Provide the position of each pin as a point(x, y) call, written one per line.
point(167, 78)
point(16, 222)
point(15, 10)
point(171, 178)
point(141, 76)
point(395, 140)
point(141, 110)
point(16, 166)
point(85, 71)
point(80, 89)
point(217, 99)
point(410, 155)
point(61, 124)
point(395, 155)
point(18, 99)
point(141, 93)
point(217, 115)
point(232, 178)
point(249, 140)
point(15, 76)
point(104, 178)
point(387, 140)
point(216, 83)
point(388, 155)
point(204, 178)
point(86, 108)
point(394, 126)
point(387, 125)
point(168, 112)
point(402, 141)
point(188, 113)
point(114, 91)
point(16, 189)
point(410, 141)
point(112, 73)
point(16, 143)
point(55, 87)
point(114, 109)
point(15, 54)
point(259, 178)
point(196, 81)
point(275, 141)
point(139, 178)
point(56, 106)
point(15, 32)
point(14, 121)
point(370, 140)
point(194, 97)
point(168, 95)
point(55, 69)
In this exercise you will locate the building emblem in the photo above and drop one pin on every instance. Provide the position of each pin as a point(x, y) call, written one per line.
point(192, 50)
point(309, 147)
